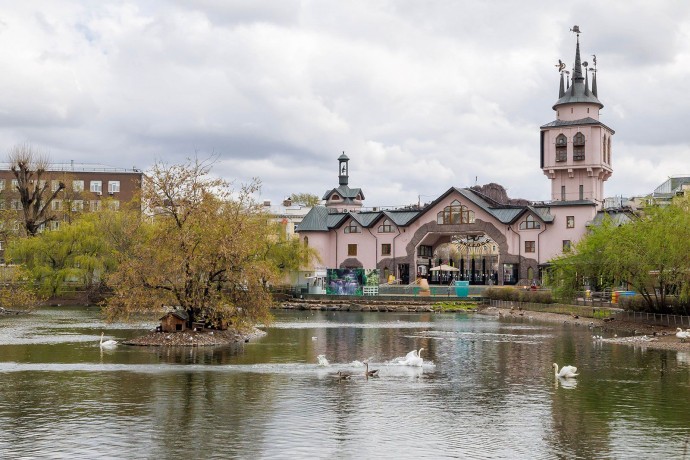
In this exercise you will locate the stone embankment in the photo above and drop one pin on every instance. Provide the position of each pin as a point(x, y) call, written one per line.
point(206, 338)
point(364, 304)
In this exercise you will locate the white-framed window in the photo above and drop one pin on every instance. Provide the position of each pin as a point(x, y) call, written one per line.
point(77, 185)
point(2, 204)
point(77, 205)
point(95, 205)
point(2, 184)
point(54, 224)
point(113, 186)
point(16, 204)
point(56, 205)
point(570, 221)
point(54, 185)
point(96, 186)
point(15, 184)
point(352, 228)
point(529, 223)
point(113, 205)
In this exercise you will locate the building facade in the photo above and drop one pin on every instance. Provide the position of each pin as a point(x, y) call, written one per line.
point(494, 243)
point(87, 188)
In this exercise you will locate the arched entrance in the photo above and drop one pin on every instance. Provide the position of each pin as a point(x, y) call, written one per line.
point(479, 258)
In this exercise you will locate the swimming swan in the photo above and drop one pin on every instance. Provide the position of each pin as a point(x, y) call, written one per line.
point(566, 371)
point(682, 335)
point(108, 343)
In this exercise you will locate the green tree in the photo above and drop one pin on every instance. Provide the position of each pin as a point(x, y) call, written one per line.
point(79, 254)
point(305, 199)
point(202, 251)
point(651, 255)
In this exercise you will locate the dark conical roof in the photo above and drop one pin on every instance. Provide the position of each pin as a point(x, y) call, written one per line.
point(579, 90)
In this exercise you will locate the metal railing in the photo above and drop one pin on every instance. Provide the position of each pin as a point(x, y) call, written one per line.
point(659, 319)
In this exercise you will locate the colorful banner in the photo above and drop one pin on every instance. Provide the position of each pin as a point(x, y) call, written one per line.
point(349, 281)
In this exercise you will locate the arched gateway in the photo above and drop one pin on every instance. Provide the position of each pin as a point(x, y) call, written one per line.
point(491, 240)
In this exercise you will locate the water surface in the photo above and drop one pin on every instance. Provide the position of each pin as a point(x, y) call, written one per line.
point(486, 390)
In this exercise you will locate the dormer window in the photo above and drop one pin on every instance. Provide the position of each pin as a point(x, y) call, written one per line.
point(335, 197)
point(455, 214)
point(359, 197)
point(579, 147)
point(561, 148)
point(386, 227)
point(530, 223)
point(353, 228)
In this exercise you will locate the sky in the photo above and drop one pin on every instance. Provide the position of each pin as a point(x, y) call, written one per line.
point(420, 95)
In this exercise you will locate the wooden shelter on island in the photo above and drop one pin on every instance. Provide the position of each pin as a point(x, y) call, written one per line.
point(174, 321)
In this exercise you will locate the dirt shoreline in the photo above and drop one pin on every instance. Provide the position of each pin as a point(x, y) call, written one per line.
point(637, 334)
point(206, 338)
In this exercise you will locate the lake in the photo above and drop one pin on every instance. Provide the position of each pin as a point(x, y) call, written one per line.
point(486, 389)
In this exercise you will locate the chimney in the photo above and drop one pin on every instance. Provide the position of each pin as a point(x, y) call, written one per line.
point(267, 203)
point(287, 202)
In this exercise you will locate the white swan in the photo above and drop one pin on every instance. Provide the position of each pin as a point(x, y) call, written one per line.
point(565, 372)
point(108, 343)
point(413, 358)
point(323, 361)
point(681, 334)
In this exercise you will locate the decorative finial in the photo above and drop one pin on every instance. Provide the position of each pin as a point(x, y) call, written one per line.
point(576, 30)
point(560, 66)
point(594, 61)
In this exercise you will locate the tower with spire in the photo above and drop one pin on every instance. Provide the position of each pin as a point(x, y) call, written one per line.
point(344, 197)
point(576, 147)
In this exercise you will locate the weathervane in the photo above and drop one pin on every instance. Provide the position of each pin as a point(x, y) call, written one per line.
point(594, 63)
point(560, 66)
point(576, 30)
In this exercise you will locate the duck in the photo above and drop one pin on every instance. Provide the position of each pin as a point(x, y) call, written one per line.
point(343, 375)
point(107, 343)
point(681, 334)
point(370, 373)
point(565, 372)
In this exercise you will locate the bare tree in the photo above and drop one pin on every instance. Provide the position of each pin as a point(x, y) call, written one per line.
point(35, 194)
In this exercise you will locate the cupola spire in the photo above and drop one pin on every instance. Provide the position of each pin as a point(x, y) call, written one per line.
point(342, 169)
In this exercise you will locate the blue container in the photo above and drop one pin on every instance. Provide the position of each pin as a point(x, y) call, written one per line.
point(462, 288)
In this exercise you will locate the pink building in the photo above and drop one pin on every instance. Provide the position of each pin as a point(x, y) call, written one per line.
point(493, 242)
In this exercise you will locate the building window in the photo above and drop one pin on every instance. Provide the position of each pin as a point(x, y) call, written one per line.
point(56, 205)
point(54, 185)
point(77, 185)
point(578, 147)
point(351, 249)
point(529, 223)
point(96, 186)
point(95, 205)
point(77, 205)
point(16, 205)
point(352, 228)
point(15, 184)
point(2, 184)
point(566, 245)
point(608, 150)
point(2, 204)
point(113, 205)
point(335, 197)
point(54, 225)
point(455, 213)
point(561, 148)
point(114, 186)
point(306, 242)
point(425, 251)
point(582, 192)
point(570, 222)
point(386, 227)
point(386, 249)
point(562, 192)
point(529, 246)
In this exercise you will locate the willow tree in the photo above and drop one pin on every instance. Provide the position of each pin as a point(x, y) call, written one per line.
point(650, 255)
point(202, 250)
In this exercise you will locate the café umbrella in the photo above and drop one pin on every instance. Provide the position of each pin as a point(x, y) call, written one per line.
point(444, 268)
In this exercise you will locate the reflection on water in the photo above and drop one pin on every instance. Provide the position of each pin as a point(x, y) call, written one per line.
point(485, 389)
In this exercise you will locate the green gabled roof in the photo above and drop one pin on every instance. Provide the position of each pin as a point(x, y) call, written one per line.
point(401, 218)
point(506, 215)
point(365, 219)
point(318, 219)
point(345, 192)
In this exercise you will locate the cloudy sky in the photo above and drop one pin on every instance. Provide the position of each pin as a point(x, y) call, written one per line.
point(421, 95)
